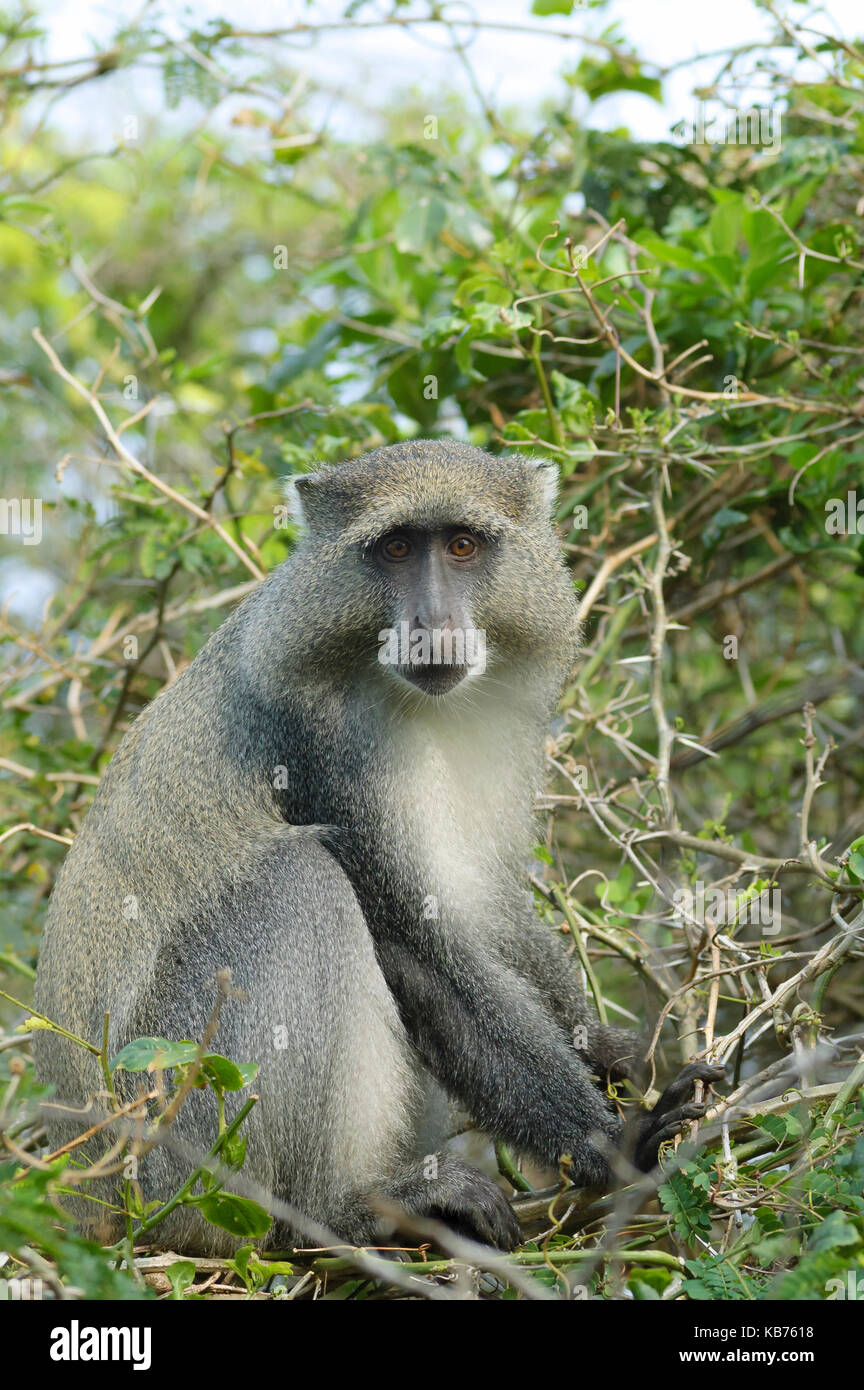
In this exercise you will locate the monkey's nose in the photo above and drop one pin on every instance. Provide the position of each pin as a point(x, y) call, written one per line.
point(434, 622)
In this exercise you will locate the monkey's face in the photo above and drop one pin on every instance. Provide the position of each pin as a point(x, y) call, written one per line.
point(427, 560)
point(431, 577)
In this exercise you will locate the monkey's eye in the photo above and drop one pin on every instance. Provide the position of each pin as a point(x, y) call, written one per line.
point(462, 547)
point(396, 548)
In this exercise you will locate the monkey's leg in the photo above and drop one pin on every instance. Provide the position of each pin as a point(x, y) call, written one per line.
point(339, 1097)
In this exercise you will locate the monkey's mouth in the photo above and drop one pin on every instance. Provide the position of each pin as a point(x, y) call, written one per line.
point(433, 678)
point(434, 660)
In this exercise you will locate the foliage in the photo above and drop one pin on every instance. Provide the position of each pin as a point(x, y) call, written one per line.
point(676, 323)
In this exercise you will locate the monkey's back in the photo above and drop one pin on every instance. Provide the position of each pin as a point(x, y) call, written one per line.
point(179, 816)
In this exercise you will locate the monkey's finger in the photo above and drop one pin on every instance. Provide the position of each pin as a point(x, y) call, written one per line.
point(658, 1128)
point(667, 1131)
point(693, 1111)
point(507, 1231)
point(499, 1229)
point(678, 1090)
point(486, 1217)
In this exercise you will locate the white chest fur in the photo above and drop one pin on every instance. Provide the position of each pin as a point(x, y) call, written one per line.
point(463, 775)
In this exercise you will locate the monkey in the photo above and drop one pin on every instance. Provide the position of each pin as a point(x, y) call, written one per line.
point(334, 802)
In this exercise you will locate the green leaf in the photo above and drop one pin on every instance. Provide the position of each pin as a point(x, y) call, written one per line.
point(180, 1276)
point(715, 1279)
point(240, 1262)
point(599, 79)
point(253, 1270)
point(724, 227)
point(543, 7)
point(782, 1128)
point(642, 1292)
point(421, 223)
point(575, 403)
point(234, 1150)
point(671, 254)
point(496, 320)
point(649, 1283)
point(222, 1073)
point(726, 270)
point(154, 1054)
point(686, 1196)
point(239, 1215)
point(617, 890)
point(835, 1231)
point(856, 859)
point(800, 201)
point(721, 521)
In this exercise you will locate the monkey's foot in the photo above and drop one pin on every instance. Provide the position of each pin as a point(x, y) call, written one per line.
point(459, 1196)
point(669, 1114)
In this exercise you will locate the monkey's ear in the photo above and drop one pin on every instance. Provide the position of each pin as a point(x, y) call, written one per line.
point(548, 482)
point(300, 497)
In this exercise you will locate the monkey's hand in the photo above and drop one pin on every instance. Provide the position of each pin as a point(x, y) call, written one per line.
point(643, 1136)
point(615, 1054)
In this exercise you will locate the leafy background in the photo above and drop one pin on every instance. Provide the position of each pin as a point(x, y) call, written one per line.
point(243, 292)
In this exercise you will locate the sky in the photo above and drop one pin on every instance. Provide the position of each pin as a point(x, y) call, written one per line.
point(511, 67)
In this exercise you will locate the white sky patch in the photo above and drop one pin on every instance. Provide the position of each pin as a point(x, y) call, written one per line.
point(372, 66)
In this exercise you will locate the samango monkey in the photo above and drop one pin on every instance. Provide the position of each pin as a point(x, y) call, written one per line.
point(343, 819)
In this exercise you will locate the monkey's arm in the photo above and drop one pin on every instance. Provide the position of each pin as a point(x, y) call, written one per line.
point(539, 955)
point(486, 1037)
